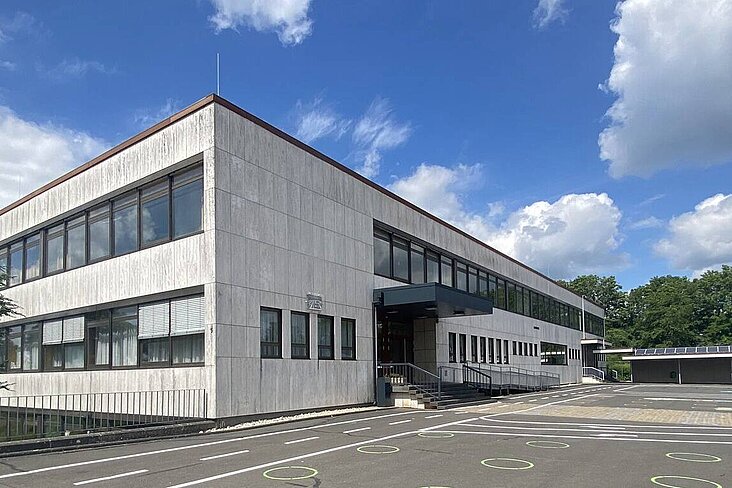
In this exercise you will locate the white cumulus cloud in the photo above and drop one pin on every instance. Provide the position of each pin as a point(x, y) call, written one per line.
point(316, 120)
point(32, 154)
point(147, 117)
point(549, 11)
point(288, 18)
point(578, 233)
point(377, 130)
point(700, 239)
point(671, 77)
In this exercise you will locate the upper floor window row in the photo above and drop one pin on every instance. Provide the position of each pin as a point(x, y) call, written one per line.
point(167, 209)
point(398, 258)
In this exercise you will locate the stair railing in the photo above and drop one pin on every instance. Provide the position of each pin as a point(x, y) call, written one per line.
point(598, 374)
point(407, 374)
point(477, 379)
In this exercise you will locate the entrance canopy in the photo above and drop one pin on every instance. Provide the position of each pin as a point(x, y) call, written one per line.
point(429, 300)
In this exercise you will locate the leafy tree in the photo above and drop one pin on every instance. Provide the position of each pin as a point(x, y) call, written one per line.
point(713, 307)
point(7, 306)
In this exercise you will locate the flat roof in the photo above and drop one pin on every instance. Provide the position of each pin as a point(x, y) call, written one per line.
point(680, 353)
point(213, 98)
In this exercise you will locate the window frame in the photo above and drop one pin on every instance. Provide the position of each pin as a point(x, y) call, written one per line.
point(352, 346)
point(262, 343)
point(331, 324)
point(306, 345)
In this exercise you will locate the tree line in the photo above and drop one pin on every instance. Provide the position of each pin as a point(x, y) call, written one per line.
point(668, 311)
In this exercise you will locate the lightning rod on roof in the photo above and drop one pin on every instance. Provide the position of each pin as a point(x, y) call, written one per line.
point(218, 76)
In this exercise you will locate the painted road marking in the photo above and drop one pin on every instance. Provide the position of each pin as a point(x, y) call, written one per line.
point(689, 400)
point(356, 430)
point(617, 435)
point(433, 416)
point(218, 456)
point(613, 426)
point(297, 441)
point(400, 422)
point(694, 457)
point(309, 473)
point(113, 477)
point(622, 439)
point(655, 481)
point(723, 409)
point(521, 464)
point(609, 431)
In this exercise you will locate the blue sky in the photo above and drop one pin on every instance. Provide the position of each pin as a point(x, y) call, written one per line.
point(488, 114)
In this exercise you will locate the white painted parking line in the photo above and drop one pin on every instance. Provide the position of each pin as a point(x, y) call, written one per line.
point(612, 426)
point(218, 456)
point(113, 477)
point(624, 434)
point(297, 441)
point(400, 422)
point(627, 388)
point(549, 436)
point(688, 400)
point(723, 409)
point(356, 430)
point(433, 416)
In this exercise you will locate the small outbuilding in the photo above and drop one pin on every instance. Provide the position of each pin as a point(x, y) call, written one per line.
point(708, 364)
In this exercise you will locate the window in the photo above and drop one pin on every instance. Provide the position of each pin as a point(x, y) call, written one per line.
point(400, 256)
point(188, 202)
point(499, 357)
point(536, 350)
point(187, 330)
point(99, 344)
point(492, 289)
point(505, 351)
point(382, 253)
point(463, 344)
point(513, 343)
point(270, 332)
point(154, 213)
point(417, 263)
point(124, 219)
point(3, 266)
point(461, 276)
point(451, 339)
point(15, 338)
point(154, 333)
point(3, 349)
point(348, 339)
point(482, 284)
point(473, 349)
point(473, 280)
point(527, 302)
point(55, 249)
point(33, 257)
point(519, 300)
point(124, 336)
point(491, 351)
point(433, 267)
point(299, 335)
point(511, 296)
point(501, 294)
point(99, 233)
point(553, 354)
point(446, 271)
point(73, 342)
point(76, 242)
point(325, 337)
point(15, 268)
point(31, 347)
point(482, 350)
point(53, 349)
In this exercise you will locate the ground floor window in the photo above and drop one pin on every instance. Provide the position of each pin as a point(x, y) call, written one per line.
point(348, 339)
point(451, 346)
point(325, 337)
point(299, 335)
point(474, 349)
point(270, 332)
point(482, 350)
point(463, 344)
point(553, 354)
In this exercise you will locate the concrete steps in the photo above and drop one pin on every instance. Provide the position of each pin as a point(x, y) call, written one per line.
point(453, 395)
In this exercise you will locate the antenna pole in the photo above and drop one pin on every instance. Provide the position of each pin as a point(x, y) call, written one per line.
point(218, 75)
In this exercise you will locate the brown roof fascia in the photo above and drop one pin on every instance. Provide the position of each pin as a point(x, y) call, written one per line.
point(213, 98)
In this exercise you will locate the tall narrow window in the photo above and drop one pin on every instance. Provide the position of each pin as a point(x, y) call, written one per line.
point(15, 268)
point(501, 294)
point(187, 330)
point(348, 339)
point(154, 333)
point(124, 218)
point(382, 253)
point(513, 343)
point(417, 263)
point(433, 267)
point(188, 202)
point(499, 356)
point(482, 284)
point(98, 338)
point(33, 257)
point(461, 276)
point(270, 332)
point(446, 271)
point(15, 354)
point(511, 290)
point(482, 350)
point(473, 349)
point(55, 249)
point(99, 233)
point(451, 347)
point(519, 299)
point(472, 280)
point(299, 335)
point(400, 255)
point(3, 267)
point(491, 351)
point(505, 351)
point(124, 336)
point(73, 341)
point(76, 242)
point(3, 349)
point(53, 352)
point(31, 347)
point(463, 345)
point(527, 302)
point(325, 337)
point(154, 213)
point(492, 289)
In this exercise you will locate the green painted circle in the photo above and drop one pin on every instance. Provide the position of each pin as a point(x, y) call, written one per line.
point(377, 449)
point(311, 473)
point(551, 444)
point(487, 464)
point(655, 481)
point(688, 456)
point(436, 435)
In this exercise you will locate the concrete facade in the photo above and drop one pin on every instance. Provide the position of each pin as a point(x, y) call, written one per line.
point(279, 221)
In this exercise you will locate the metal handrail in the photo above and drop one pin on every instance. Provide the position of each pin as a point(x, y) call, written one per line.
point(476, 378)
point(520, 378)
point(593, 372)
point(424, 381)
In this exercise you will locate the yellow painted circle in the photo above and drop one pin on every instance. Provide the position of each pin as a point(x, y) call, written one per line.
point(311, 472)
point(548, 444)
point(527, 464)
point(689, 456)
point(436, 435)
point(378, 449)
point(655, 481)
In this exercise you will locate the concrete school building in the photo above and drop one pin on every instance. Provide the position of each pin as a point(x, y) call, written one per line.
point(214, 251)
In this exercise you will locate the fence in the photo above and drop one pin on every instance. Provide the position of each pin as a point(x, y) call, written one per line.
point(27, 417)
point(504, 377)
